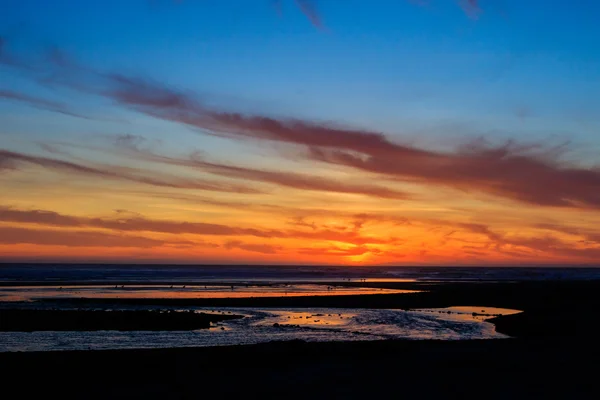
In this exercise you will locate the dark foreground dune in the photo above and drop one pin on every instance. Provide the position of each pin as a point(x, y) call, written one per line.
point(549, 323)
point(485, 369)
point(23, 320)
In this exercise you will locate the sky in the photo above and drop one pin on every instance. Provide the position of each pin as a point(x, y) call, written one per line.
point(355, 132)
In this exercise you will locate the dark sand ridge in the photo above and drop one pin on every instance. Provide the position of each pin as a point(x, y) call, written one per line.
point(488, 369)
point(29, 320)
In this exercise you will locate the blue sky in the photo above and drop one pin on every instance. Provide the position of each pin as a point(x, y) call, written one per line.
point(392, 64)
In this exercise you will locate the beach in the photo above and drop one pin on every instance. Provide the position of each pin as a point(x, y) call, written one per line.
point(548, 350)
point(496, 369)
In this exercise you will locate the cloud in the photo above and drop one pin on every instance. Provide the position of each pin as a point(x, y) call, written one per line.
point(18, 235)
point(287, 179)
point(12, 160)
point(39, 103)
point(589, 237)
point(309, 9)
point(337, 251)
point(138, 223)
point(528, 174)
point(125, 224)
point(255, 248)
point(302, 181)
point(547, 245)
point(471, 8)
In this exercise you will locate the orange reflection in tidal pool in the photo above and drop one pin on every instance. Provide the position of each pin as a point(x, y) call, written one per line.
point(309, 319)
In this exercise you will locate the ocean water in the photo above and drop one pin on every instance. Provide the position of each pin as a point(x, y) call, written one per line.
point(257, 273)
point(259, 325)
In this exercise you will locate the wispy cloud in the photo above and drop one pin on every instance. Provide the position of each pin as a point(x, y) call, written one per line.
point(338, 251)
point(255, 248)
point(287, 179)
point(39, 103)
point(10, 160)
point(137, 223)
point(471, 7)
point(45, 237)
point(529, 174)
point(309, 9)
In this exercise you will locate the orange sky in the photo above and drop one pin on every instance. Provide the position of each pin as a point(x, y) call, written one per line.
point(68, 215)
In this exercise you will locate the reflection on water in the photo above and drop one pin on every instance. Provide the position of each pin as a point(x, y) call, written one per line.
point(306, 319)
point(28, 293)
point(263, 325)
point(470, 313)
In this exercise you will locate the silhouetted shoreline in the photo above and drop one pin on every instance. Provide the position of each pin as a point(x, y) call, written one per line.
point(29, 320)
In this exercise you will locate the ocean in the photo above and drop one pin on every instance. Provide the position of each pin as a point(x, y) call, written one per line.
point(199, 273)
